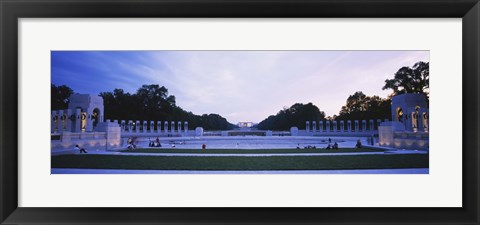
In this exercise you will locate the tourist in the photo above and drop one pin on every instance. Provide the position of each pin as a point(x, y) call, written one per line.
point(359, 144)
point(204, 146)
point(335, 145)
point(82, 150)
point(298, 146)
point(150, 143)
point(328, 146)
point(130, 143)
point(173, 145)
point(329, 140)
point(157, 143)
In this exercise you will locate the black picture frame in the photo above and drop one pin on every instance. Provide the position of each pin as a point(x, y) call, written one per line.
point(11, 11)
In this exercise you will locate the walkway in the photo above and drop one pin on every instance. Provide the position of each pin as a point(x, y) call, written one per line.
point(251, 154)
point(110, 171)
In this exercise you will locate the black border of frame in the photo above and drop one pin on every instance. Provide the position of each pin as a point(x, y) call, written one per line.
point(12, 10)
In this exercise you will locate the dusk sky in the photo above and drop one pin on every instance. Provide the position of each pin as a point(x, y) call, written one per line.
point(245, 86)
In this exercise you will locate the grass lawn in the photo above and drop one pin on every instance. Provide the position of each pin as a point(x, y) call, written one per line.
point(241, 163)
point(249, 151)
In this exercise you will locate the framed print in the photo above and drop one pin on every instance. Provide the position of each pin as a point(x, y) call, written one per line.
point(196, 112)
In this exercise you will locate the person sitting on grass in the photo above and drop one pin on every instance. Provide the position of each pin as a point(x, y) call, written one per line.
point(359, 144)
point(82, 150)
point(157, 143)
point(328, 147)
point(335, 145)
point(130, 144)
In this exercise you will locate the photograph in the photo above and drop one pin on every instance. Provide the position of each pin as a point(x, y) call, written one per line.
point(240, 112)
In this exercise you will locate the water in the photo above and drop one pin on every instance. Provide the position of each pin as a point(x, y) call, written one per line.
point(249, 142)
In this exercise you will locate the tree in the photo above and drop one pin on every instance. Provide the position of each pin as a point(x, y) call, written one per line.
point(410, 80)
point(296, 116)
point(362, 107)
point(152, 102)
point(60, 96)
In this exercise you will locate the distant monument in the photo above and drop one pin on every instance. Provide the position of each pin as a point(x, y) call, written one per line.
point(245, 124)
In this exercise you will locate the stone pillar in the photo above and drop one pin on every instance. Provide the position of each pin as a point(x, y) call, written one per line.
point(379, 121)
point(199, 131)
point(425, 120)
point(179, 125)
point(89, 127)
point(356, 126)
point(137, 126)
point(294, 131)
point(349, 126)
point(314, 126)
point(342, 125)
point(185, 127)
point(62, 121)
point(159, 126)
point(54, 120)
point(152, 126)
point(320, 126)
point(371, 125)
point(328, 126)
point(69, 120)
point(145, 126)
point(307, 126)
point(130, 126)
point(364, 125)
point(334, 126)
point(172, 126)
point(122, 125)
point(165, 127)
point(78, 120)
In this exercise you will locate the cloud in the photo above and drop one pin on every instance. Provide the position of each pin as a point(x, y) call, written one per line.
point(239, 85)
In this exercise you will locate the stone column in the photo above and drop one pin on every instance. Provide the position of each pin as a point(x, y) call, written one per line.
point(89, 127)
point(172, 126)
point(185, 127)
point(152, 128)
point(199, 131)
point(342, 125)
point(356, 126)
point(179, 126)
point(54, 121)
point(137, 126)
point(314, 126)
point(130, 126)
point(165, 127)
point(78, 120)
point(122, 125)
point(328, 126)
point(334, 126)
point(69, 120)
point(293, 131)
point(349, 126)
point(425, 120)
point(364, 125)
point(159, 126)
point(145, 126)
point(307, 126)
point(320, 126)
point(371, 125)
point(379, 121)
